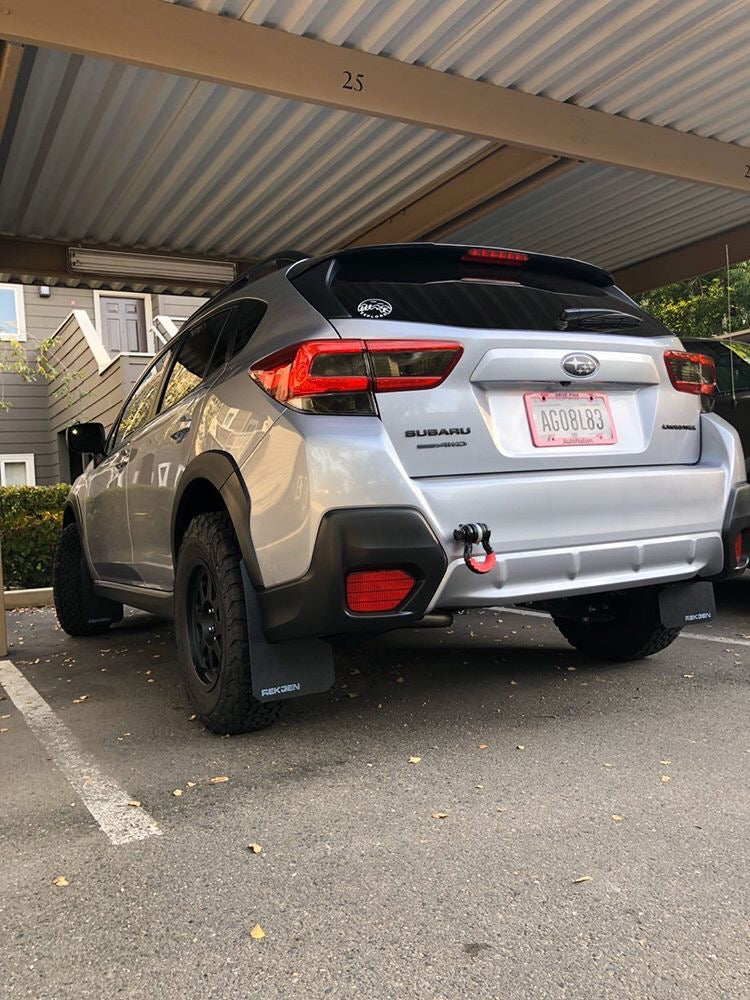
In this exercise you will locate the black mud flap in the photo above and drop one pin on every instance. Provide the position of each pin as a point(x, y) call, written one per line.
point(286, 669)
point(687, 604)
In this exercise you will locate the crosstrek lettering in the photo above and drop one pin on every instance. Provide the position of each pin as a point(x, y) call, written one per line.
point(437, 431)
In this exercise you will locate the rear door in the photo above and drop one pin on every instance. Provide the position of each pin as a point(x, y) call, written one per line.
point(160, 454)
point(527, 394)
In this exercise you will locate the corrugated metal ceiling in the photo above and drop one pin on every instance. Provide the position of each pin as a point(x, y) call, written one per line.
point(679, 63)
point(132, 157)
point(112, 154)
point(609, 217)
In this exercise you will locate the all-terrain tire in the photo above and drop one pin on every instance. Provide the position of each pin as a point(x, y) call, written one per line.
point(225, 704)
point(635, 632)
point(79, 610)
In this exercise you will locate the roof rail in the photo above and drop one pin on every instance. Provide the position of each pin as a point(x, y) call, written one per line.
point(266, 266)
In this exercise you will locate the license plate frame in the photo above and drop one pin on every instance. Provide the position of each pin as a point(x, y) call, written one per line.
point(542, 439)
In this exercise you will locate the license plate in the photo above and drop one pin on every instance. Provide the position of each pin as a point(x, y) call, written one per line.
point(557, 419)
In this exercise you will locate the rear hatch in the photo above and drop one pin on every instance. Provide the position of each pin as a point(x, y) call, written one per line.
point(532, 388)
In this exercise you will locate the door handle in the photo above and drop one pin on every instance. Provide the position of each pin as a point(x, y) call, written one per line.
point(122, 462)
point(184, 426)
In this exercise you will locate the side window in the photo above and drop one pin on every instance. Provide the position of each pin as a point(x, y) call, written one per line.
point(248, 314)
point(194, 356)
point(138, 408)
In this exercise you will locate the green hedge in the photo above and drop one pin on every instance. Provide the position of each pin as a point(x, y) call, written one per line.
point(30, 524)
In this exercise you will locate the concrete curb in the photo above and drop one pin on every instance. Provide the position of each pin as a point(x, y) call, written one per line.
point(39, 597)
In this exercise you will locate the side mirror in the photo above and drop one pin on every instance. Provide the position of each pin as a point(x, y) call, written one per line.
point(86, 439)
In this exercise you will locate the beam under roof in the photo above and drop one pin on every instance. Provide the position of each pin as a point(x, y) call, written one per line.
point(10, 64)
point(444, 205)
point(687, 261)
point(197, 44)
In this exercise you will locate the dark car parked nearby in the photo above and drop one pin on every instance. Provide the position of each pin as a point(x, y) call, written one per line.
point(732, 401)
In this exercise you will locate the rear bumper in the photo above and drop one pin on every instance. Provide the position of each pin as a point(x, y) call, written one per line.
point(365, 538)
point(544, 574)
point(737, 520)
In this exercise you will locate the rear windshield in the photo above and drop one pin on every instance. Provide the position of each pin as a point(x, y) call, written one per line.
point(451, 291)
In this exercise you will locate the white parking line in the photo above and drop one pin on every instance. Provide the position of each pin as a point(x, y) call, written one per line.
point(726, 640)
point(103, 797)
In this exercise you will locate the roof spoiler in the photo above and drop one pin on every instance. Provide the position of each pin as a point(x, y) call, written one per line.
point(422, 252)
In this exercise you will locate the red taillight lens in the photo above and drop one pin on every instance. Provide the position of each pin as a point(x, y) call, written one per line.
point(339, 376)
point(378, 589)
point(399, 365)
point(490, 256)
point(690, 372)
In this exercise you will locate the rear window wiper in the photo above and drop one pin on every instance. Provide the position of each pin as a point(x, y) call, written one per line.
point(596, 319)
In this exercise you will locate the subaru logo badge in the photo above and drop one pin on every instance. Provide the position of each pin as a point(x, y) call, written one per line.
point(579, 365)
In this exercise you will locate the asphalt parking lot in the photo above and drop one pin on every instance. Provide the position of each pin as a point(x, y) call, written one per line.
point(569, 830)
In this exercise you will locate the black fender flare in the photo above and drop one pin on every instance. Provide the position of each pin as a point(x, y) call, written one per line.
point(220, 470)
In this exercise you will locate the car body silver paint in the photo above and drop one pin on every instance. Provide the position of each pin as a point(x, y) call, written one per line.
point(551, 514)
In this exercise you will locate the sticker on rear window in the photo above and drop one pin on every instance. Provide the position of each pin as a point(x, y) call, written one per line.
point(374, 308)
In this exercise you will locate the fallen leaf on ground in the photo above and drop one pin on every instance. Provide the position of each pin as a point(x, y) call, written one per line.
point(192, 717)
point(483, 746)
point(520, 747)
point(80, 698)
point(177, 792)
point(134, 803)
point(414, 760)
point(616, 818)
point(665, 778)
point(688, 676)
point(60, 881)
point(4, 716)
point(4, 730)
point(219, 780)
point(583, 878)
point(439, 815)
point(399, 680)
point(352, 694)
point(666, 763)
point(255, 848)
point(257, 933)
point(608, 765)
point(190, 784)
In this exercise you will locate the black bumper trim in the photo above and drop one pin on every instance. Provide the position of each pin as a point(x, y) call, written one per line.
point(737, 519)
point(349, 539)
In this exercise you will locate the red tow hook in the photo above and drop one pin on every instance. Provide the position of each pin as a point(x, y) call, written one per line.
point(473, 534)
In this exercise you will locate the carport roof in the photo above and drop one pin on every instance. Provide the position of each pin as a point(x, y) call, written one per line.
point(98, 151)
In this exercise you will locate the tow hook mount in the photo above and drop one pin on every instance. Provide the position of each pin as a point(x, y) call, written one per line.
point(476, 534)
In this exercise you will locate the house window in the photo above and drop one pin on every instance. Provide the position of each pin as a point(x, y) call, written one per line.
point(12, 317)
point(17, 470)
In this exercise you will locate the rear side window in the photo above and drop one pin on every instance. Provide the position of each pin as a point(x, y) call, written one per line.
point(443, 287)
point(247, 315)
point(194, 357)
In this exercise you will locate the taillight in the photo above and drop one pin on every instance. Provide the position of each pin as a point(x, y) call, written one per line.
point(340, 376)
point(690, 372)
point(491, 256)
point(378, 589)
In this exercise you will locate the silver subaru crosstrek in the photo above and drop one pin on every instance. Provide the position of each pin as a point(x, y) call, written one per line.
point(339, 446)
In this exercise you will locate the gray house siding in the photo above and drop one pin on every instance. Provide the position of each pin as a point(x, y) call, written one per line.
point(38, 415)
point(178, 307)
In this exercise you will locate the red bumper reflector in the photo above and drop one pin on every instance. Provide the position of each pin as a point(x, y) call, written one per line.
point(378, 589)
point(739, 549)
